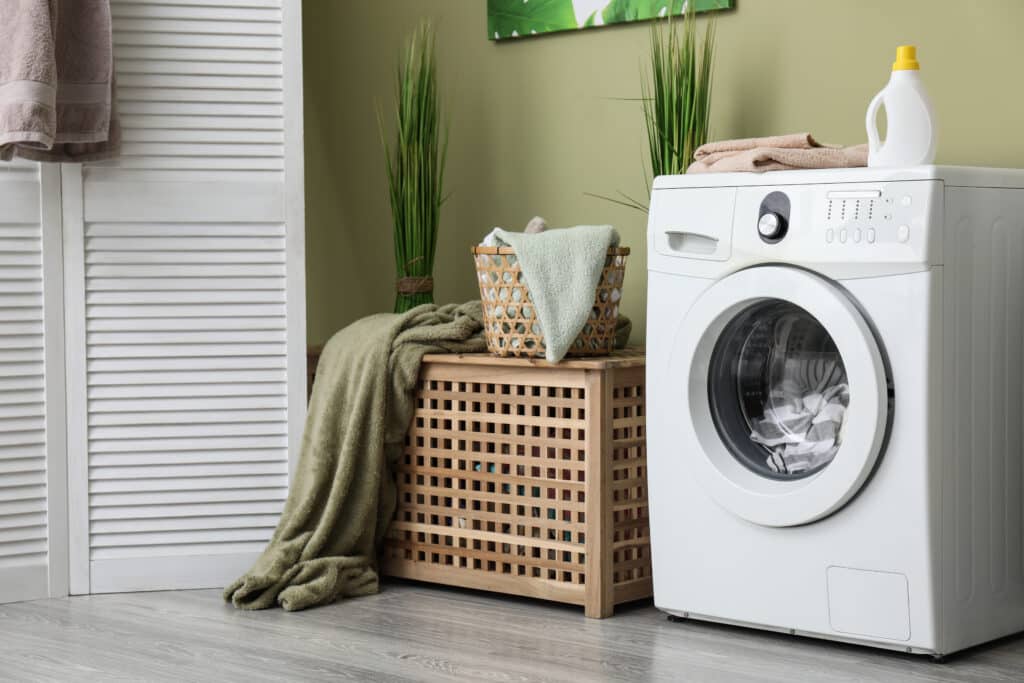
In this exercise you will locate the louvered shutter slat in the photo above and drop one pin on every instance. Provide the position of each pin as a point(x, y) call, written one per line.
point(24, 533)
point(189, 301)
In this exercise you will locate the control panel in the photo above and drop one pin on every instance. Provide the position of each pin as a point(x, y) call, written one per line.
point(894, 222)
point(842, 229)
point(869, 216)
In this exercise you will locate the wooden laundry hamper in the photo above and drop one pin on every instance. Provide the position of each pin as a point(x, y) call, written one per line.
point(527, 478)
point(510, 321)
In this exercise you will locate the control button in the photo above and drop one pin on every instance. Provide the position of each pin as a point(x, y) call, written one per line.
point(871, 235)
point(856, 234)
point(773, 217)
point(842, 236)
point(770, 225)
point(903, 234)
point(906, 201)
point(830, 236)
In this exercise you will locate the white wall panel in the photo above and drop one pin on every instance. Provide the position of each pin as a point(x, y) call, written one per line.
point(185, 295)
point(33, 538)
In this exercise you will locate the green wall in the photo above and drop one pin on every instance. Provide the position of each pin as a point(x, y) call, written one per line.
point(539, 122)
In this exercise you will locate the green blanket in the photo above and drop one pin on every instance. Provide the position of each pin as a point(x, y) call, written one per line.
point(343, 494)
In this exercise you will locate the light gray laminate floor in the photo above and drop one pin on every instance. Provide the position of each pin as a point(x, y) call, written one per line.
point(415, 632)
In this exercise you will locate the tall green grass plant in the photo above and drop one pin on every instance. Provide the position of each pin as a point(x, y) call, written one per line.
point(415, 169)
point(675, 93)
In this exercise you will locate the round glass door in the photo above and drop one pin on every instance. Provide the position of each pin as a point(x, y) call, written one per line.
point(786, 393)
point(778, 391)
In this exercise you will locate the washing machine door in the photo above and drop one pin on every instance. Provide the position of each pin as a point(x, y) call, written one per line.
point(786, 392)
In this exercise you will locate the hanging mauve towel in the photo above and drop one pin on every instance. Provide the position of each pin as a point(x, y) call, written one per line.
point(56, 80)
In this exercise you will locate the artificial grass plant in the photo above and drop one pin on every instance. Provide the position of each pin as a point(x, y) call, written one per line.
point(675, 92)
point(415, 168)
point(677, 98)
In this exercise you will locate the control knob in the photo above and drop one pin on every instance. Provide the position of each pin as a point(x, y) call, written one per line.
point(771, 225)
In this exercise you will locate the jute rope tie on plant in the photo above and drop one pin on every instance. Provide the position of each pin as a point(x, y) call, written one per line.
point(415, 285)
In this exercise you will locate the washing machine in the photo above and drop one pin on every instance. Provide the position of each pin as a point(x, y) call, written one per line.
point(835, 403)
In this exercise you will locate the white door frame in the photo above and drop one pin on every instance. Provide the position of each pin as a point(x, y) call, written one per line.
point(295, 217)
point(81, 571)
point(49, 579)
point(51, 221)
point(75, 365)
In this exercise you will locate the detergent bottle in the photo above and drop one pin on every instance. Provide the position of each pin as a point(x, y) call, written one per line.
point(910, 120)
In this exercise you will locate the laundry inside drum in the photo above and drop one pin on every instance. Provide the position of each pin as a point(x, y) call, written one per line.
point(779, 390)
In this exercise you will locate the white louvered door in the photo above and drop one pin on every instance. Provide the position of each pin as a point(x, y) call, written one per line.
point(185, 299)
point(33, 537)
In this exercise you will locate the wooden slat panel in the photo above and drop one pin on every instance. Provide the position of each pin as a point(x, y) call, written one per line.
point(196, 92)
point(201, 378)
point(126, 273)
point(187, 444)
point(121, 5)
point(150, 556)
point(187, 417)
point(98, 340)
point(163, 324)
point(23, 489)
point(184, 287)
point(208, 40)
point(192, 27)
point(208, 55)
point(186, 368)
point(159, 525)
point(184, 243)
point(185, 284)
point(177, 471)
point(21, 199)
point(184, 258)
point(172, 351)
point(190, 139)
point(200, 92)
point(191, 484)
point(196, 510)
point(195, 11)
point(187, 497)
point(242, 111)
point(210, 456)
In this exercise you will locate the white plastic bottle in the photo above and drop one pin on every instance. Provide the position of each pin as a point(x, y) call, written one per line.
point(910, 120)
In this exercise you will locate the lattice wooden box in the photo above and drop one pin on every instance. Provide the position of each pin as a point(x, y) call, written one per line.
point(527, 478)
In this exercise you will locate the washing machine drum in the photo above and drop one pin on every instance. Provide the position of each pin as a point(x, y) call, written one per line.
point(785, 393)
point(778, 391)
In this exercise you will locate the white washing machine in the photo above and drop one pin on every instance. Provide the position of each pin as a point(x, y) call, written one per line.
point(835, 403)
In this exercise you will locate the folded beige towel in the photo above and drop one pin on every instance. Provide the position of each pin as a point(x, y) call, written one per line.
point(776, 153)
point(56, 80)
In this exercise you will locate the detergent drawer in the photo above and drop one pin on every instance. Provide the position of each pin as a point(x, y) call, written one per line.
point(692, 223)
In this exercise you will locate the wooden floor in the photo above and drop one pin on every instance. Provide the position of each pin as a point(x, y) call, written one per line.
point(413, 632)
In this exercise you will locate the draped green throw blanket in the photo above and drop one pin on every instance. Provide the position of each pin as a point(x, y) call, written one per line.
point(343, 493)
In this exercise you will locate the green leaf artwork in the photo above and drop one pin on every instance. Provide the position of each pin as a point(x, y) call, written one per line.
point(511, 18)
point(517, 18)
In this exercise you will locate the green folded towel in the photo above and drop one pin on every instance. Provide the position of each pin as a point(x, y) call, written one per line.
point(563, 268)
point(343, 495)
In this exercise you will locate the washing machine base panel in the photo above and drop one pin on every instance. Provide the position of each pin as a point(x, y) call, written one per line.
point(682, 615)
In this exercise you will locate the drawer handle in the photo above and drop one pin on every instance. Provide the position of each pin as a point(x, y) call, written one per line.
point(689, 242)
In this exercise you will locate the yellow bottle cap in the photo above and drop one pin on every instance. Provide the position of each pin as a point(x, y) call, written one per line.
point(906, 59)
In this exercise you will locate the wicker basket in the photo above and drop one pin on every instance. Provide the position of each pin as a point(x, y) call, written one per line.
point(510, 320)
